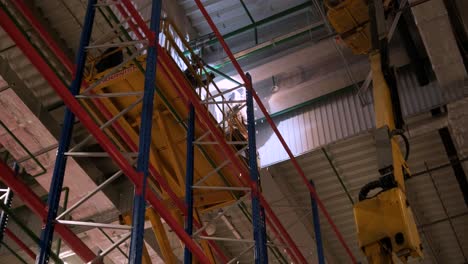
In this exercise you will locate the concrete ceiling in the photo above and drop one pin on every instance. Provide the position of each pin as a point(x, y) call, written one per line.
point(305, 67)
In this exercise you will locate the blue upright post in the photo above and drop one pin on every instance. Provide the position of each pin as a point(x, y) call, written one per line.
point(139, 203)
point(189, 181)
point(261, 256)
point(264, 234)
point(65, 138)
point(318, 233)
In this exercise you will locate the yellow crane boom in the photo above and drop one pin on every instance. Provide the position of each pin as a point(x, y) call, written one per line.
point(385, 224)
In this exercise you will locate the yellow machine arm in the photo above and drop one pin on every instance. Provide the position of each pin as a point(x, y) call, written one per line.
point(385, 224)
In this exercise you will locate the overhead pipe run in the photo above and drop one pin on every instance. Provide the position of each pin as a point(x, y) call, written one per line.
point(26, 230)
point(36, 205)
point(212, 40)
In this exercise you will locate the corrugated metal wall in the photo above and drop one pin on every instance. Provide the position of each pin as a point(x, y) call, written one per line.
point(355, 161)
point(416, 99)
point(342, 115)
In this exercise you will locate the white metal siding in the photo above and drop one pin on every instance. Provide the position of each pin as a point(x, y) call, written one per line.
point(341, 116)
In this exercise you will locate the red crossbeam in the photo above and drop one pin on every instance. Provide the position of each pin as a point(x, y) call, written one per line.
point(20, 243)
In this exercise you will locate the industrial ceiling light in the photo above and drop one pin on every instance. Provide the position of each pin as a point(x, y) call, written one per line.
point(275, 87)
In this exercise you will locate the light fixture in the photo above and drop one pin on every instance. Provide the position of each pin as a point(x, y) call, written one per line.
point(275, 87)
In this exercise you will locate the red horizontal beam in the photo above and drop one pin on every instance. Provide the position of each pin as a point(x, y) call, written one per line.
point(35, 204)
point(20, 243)
point(275, 128)
point(100, 137)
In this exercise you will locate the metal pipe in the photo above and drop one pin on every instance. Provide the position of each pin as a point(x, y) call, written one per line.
point(227, 239)
point(20, 243)
point(277, 234)
point(116, 244)
point(281, 139)
point(13, 252)
point(231, 227)
point(251, 20)
point(92, 224)
point(227, 142)
point(337, 175)
point(112, 241)
point(189, 180)
point(25, 229)
point(99, 154)
point(36, 205)
point(222, 188)
point(109, 95)
point(240, 254)
point(222, 93)
point(220, 214)
point(217, 169)
point(317, 231)
point(222, 74)
point(65, 204)
point(44, 170)
point(118, 44)
point(90, 194)
point(271, 43)
point(259, 23)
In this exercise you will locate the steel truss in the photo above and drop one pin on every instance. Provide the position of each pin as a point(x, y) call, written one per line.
point(263, 217)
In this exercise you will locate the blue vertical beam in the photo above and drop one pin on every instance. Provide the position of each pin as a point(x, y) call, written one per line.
point(261, 256)
point(264, 234)
point(139, 203)
point(318, 233)
point(189, 181)
point(65, 139)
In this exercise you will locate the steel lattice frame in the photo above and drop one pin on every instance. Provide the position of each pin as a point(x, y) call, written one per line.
point(261, 210)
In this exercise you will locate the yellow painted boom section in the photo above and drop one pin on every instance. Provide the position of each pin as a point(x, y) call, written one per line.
point(168, 144)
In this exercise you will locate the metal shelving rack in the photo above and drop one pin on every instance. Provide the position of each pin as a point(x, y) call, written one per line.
point(263, 218)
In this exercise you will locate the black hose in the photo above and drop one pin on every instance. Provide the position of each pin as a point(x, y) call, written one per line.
point(401, 133)
point(367, 188)
point(385, 183)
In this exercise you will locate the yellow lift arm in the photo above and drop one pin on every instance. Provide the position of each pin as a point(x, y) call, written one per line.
point(385, 224)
